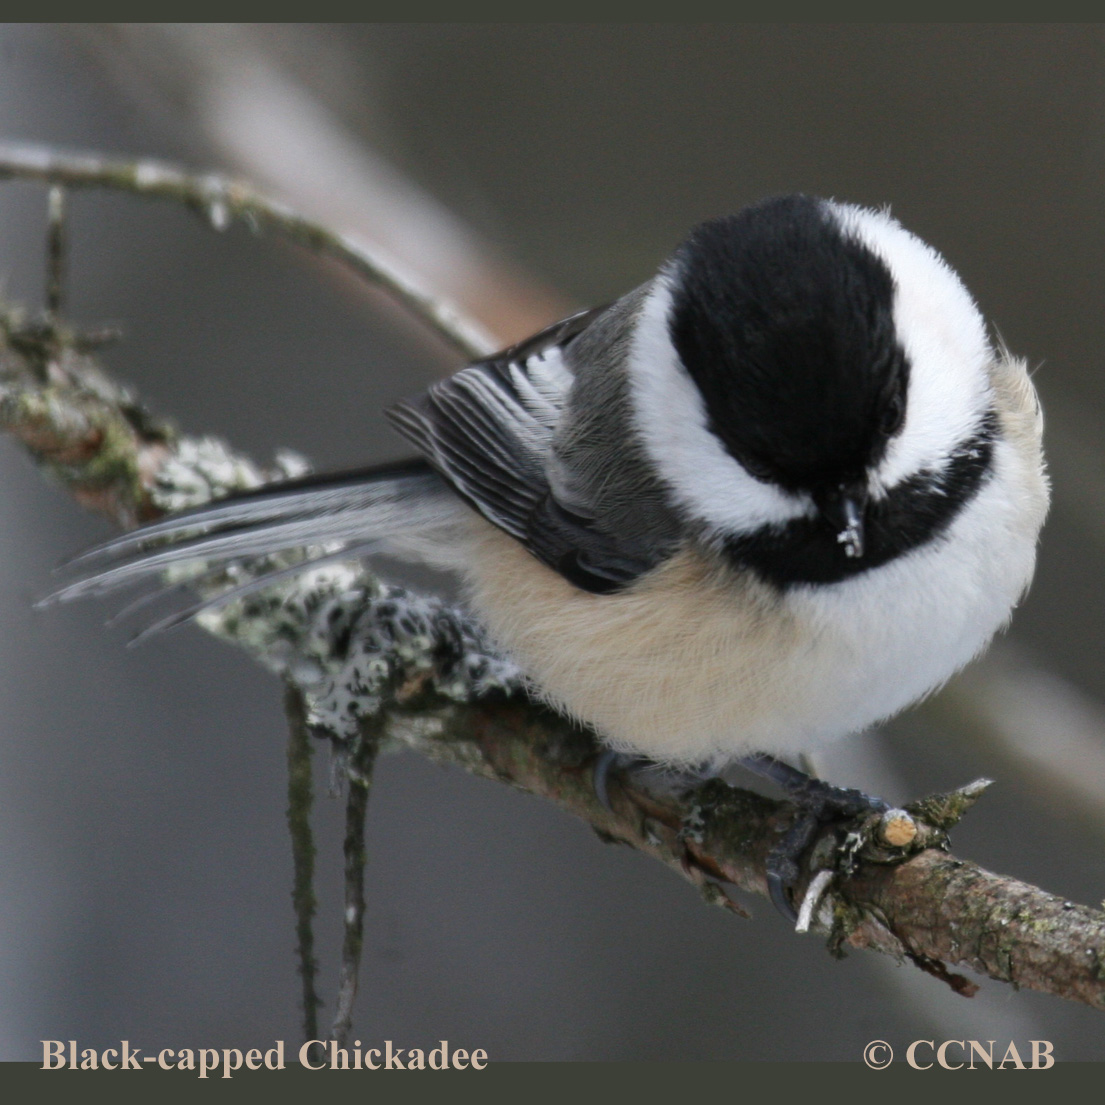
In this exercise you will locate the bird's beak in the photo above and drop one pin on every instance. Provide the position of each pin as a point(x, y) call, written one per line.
point(844, 508)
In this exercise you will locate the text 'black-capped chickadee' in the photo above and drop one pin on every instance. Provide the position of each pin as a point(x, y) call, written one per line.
point(765, 500)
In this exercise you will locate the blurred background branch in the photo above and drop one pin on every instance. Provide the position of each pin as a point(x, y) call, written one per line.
point(233, 86)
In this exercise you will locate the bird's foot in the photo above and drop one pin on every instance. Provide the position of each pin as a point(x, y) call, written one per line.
point(609, 763)
point(835, 829)
point(821, 805)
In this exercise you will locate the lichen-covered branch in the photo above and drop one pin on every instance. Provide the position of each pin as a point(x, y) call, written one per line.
point(363, 653)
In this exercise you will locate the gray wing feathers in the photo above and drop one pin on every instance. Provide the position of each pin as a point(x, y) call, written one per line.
point(491, 432)
point(475, 428)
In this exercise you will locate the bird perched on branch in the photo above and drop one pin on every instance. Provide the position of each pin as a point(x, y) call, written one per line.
point(774, 495)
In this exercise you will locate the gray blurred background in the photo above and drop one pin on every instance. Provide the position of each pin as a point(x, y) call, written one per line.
point(526, 169)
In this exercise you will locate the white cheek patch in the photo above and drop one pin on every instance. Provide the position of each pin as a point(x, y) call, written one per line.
point(670, 417)
point(943, 336)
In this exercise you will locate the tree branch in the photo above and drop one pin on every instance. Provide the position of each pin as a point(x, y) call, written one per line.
point(365, 654)
point(222, 202)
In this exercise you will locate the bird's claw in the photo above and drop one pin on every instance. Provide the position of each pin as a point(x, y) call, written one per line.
point(820, 804)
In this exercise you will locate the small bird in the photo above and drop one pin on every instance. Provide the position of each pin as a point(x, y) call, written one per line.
point(769, 498)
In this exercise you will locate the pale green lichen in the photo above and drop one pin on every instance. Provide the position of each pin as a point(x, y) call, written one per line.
point(348, 640)
point(945, 811)
point(694, 825)
point(204, 468)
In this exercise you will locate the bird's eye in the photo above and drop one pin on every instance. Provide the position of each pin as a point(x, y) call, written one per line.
point(893, 414)
point(756, 468)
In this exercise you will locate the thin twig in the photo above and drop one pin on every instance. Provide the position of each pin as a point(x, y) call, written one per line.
point(56, 253)
point(300, 798)
point(221, 202)
point(361, 766)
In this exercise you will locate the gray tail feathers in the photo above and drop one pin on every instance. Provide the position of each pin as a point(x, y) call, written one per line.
point(346, 514)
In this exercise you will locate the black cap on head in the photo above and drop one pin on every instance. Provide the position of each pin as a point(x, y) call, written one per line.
point(785, 324)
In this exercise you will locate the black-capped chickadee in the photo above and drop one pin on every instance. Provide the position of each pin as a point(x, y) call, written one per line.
point(765, 500)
